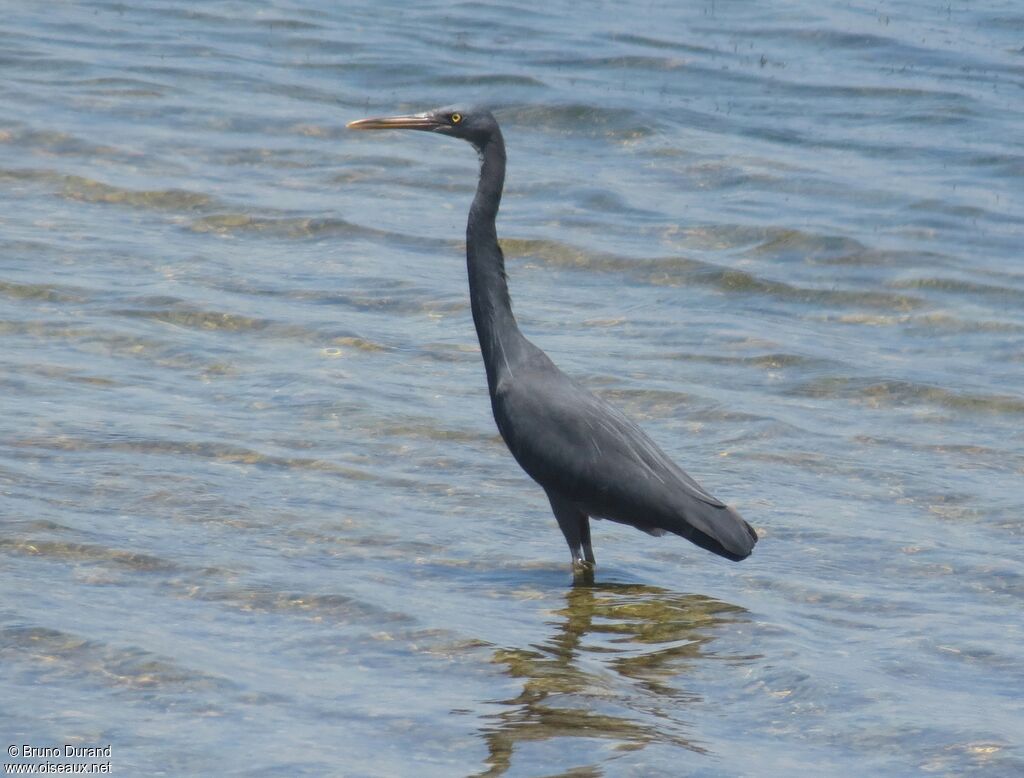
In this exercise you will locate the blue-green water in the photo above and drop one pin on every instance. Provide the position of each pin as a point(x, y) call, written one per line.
point(256, 518)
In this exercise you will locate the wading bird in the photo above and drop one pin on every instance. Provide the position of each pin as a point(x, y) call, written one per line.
point(591, 460)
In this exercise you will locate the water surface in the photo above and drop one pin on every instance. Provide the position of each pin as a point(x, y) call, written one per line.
point(256, 517)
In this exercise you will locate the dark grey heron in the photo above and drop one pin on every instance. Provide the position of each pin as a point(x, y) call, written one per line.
point(591, 460)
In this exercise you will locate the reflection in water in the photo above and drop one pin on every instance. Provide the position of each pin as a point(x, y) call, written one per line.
point(609, 670)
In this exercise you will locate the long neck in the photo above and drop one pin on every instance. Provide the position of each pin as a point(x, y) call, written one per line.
point(500, 339)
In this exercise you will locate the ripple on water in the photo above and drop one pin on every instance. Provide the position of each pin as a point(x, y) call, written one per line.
point(89, 191)
point(87, 553)
point(217, 452)
point(594, 120)
point(679, 271)
point(882, 393)
point(53, 656)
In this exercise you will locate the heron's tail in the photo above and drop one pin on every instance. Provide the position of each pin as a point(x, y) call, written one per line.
point(719, 529)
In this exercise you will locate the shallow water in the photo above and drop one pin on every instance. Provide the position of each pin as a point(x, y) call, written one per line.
point(256, 517)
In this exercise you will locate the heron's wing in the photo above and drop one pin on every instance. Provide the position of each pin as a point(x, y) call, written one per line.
point(576, 444)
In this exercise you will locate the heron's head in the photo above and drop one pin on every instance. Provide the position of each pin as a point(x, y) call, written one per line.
point(477, 125)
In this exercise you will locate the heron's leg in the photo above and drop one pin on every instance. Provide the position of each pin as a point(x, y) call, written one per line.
point(575, 525)
point(588, 549)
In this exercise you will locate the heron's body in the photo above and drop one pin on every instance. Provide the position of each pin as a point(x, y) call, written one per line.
point(590, 459)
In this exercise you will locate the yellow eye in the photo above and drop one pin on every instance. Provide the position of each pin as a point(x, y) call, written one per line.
point(456, 118)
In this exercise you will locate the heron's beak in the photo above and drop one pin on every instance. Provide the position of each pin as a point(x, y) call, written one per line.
point(419, 121)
